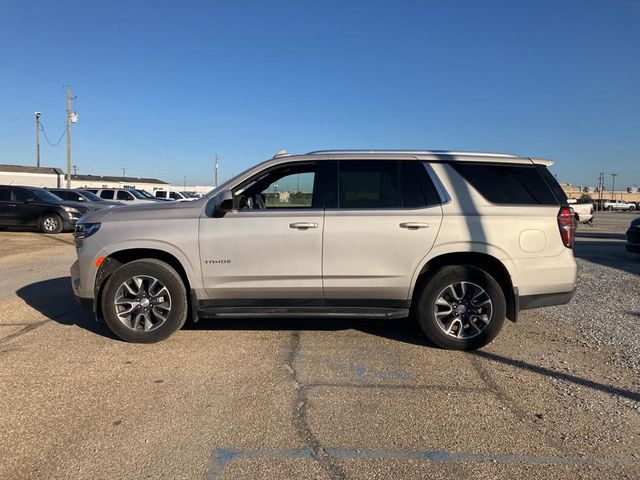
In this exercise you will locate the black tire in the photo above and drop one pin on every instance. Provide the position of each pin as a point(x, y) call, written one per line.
point(168, 277)
point(426, 305)
point(51, 223)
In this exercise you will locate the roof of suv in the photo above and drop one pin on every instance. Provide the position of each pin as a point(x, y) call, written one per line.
point(431, 155)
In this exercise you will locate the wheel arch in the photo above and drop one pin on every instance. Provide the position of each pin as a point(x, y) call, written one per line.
point(121, 257)
point(490, 264)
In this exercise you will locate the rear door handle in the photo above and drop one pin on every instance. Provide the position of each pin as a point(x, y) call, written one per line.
point(303, 225)
point(414, 225)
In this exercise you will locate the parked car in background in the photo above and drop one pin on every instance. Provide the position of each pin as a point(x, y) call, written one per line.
point(37, 207)
point(174, 195)
point(618, 205)
point(92, 201)
point(461, 240)
point(148, 196)
point(633, 236)
point(583, 211)
point(125, 195)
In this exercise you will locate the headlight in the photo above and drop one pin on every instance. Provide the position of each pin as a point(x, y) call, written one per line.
point(71, 209)
point(84, 230)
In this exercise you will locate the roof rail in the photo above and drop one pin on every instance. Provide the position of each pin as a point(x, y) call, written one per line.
point(282, 153)
point(414, 152)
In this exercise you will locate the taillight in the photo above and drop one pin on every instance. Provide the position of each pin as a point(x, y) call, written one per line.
point(567, 225)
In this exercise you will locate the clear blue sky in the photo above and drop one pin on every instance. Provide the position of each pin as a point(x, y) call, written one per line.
point(164, 85)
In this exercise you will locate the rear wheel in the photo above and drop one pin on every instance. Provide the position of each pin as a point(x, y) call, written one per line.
point(461, 308)
point(144, 301)
point(51, 223)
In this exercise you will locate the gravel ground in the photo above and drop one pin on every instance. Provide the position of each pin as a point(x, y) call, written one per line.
point(606, 309)
point(606, 306)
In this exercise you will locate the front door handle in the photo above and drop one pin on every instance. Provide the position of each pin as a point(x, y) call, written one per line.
point(414, 225)
point(303, 225)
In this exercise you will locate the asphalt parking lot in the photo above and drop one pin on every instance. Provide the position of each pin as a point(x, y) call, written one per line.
point(556, 395)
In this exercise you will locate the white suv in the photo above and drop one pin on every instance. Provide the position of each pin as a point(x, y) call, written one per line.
point(128, 195)
point(459, 240)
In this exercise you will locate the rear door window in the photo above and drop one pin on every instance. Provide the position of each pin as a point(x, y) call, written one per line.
point(62, 194)
point(512, 184)
point(106, 194)
point(19, 196)
point(375, 184)
point(122, 195)
point(4, 194)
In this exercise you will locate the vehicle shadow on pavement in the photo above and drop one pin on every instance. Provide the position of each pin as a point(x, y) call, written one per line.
point(54, 299)
point(403, 330)
point(547, 372)
point(609, 253)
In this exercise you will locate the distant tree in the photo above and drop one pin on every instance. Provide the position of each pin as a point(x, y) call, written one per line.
point(300, 198)
point(585, 197)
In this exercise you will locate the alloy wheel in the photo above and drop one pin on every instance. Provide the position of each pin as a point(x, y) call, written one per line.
point(463, 310)
point(50, 224)
point(142, 303)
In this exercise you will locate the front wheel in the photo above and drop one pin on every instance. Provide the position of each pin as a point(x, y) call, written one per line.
point(461, 308)
point(144, 301)
point(51, 223)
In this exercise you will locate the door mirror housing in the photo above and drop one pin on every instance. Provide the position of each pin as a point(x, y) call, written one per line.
point(223, 203)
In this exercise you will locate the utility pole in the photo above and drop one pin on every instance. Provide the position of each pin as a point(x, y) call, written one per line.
point(216, 174)
point(71, 118)
point(613, 186)
point(184, 182)
point(124, 172)
point(38, 115)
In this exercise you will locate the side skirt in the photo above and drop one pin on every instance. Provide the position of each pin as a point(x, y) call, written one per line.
point(299, 312)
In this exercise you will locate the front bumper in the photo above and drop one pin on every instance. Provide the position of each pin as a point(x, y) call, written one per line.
point(87, 302)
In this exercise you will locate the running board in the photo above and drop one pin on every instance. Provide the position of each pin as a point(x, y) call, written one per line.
point(300, 312)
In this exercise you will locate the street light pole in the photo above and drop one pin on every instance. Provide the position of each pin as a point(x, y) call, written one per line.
point(37, 114)
point(613, 186)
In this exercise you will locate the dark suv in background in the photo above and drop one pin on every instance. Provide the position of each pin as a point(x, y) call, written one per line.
point(37, 207)
point(91, 200)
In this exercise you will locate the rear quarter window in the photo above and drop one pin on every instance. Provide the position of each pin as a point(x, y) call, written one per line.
point(511, 184)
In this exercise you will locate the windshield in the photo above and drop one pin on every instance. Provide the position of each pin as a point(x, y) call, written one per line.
point(44, 195)
point(142, 194)
point(91, 196)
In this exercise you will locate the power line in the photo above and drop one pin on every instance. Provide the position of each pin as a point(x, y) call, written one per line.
point(47, 138)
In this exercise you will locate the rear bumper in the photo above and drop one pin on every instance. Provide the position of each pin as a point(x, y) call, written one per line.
point(633, 247)
point(545, 300)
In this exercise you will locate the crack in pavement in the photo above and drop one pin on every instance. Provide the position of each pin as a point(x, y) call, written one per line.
point(29, 327)
point(300, 421)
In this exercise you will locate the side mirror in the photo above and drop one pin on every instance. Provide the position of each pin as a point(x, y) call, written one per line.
point(223, 203)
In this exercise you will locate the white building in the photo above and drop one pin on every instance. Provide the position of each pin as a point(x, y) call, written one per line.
point(31, 176)
point(102, 181)
point(55, 178)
